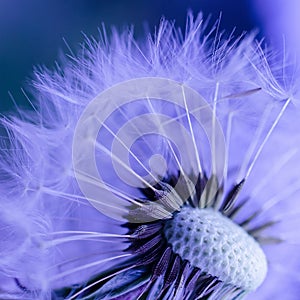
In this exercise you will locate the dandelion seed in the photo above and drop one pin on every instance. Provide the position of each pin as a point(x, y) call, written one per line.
point(165, 169)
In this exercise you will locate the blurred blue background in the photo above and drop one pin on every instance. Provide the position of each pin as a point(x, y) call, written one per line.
point(32, 31)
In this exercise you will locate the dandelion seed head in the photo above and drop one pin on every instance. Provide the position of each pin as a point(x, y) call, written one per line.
point(129, 137)
point(216, 245)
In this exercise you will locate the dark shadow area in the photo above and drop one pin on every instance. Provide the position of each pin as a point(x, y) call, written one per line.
point(32, 31)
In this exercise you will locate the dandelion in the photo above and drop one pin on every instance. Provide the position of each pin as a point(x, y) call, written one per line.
point(158, 169)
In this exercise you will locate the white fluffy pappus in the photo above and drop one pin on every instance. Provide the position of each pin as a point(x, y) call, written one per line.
point(56, 244)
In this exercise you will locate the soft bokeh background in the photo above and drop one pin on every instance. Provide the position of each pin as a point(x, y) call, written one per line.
point(32, 32)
